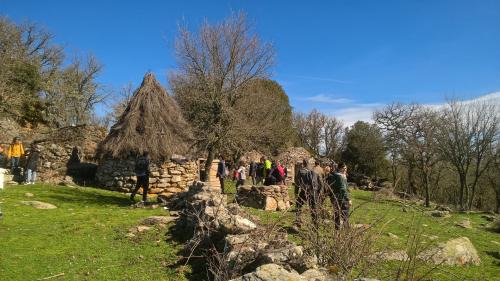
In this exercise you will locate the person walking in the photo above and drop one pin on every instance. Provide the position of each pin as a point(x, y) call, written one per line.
point(32, 165)
point(221, 172)
point(339, 195)
point(16, 151)
point(261, 171)
point(241, 174)
point(142, 174)
point(306, 191)
point(318, 169)
point(252, 172)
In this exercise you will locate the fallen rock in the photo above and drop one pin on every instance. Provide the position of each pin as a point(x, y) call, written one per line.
point(459, 251)
point(464, 224)
point(439, 214)
point(157, 220)
point(270, 272)
point(139, 229)
point(39, 205)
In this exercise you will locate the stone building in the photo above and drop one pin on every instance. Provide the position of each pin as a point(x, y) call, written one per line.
point(153, 123)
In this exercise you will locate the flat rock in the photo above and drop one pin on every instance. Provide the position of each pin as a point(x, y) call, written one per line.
point(464, 224)
point(439, 214)
point(459, 251)
point(157, 220)
point(319, 274)
point(39, 205)
point(28, 194)
point(270, 272)
point(139, 229)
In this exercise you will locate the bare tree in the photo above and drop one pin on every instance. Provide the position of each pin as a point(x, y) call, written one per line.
point(467, 131)
point(214, 65)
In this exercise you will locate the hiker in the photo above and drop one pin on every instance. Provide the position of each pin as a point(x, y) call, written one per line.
point(16, 151)
point(221, 172)
point(32, 164)
point(307, 185)
point(274, 175)
point(253, 171)
point(261, 171)
point(142, 173)
point(241, 174)
point(318, 169)
point(339, 195)
point(281, 171)
point(267, 167)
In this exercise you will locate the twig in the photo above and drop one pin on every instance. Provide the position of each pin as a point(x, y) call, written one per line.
point(53, 276)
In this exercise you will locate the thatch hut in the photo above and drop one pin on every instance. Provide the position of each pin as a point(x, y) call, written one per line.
point(151, 122)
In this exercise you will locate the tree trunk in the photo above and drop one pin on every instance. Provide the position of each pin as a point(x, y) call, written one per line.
point(463, 187)
point(426, 186)
point(208, 164)
point(411, 179)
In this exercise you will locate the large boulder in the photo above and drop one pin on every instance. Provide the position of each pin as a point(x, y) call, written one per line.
point(459, 251)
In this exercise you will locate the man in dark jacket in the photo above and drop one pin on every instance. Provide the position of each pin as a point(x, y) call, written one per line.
point(32, 165)
point(307, 188)
point(252, 172)
point(142, 174)
point(221, 172)
point(339, 195)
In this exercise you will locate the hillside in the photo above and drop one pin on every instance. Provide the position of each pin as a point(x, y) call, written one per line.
point(88, 237)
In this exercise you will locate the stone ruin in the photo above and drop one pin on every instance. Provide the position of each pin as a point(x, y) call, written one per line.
point(269, 198)
point(239, 238)
point(66, 154)
point(165, 179)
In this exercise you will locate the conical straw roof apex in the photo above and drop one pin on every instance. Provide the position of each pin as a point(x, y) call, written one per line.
point(151, 122)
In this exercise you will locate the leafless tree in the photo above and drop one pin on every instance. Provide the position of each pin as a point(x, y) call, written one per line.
point(319, 133)
point(467, 131)
point(214, 65)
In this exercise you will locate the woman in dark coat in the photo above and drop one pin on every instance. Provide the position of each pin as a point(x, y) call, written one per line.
point(32, 165)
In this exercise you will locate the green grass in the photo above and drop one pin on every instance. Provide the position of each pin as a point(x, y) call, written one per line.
point(84, 238)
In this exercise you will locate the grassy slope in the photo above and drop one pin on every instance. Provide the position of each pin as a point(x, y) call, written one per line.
point(85, 236)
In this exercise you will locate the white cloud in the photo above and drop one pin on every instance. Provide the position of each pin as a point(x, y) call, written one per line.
point(321, 98)
point(364, 112)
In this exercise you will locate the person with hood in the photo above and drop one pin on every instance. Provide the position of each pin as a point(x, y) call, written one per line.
point(32, 164)
point(16, 151)
point(142, 174)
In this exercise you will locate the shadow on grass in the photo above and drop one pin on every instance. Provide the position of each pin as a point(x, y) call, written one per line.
point(196, 260)
point(86, 196)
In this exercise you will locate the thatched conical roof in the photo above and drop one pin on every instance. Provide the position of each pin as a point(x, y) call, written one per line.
point(151, 122)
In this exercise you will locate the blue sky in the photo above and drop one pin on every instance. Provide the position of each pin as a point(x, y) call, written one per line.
point(343, 57)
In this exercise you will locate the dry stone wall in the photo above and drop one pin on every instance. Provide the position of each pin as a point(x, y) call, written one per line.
point(269, 198)
point(165, 179)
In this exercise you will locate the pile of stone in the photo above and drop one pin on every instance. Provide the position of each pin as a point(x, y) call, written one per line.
point(269, 198)
point(243, 243)
point(165, 179)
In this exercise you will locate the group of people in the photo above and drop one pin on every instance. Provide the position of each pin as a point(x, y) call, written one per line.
point(312, 184)
point(265, 172)
point(14, 155)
